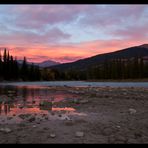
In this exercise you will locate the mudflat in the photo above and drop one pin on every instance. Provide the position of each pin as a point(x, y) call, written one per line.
point(102, 115)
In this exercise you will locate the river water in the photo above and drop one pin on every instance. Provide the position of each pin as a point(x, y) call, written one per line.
point(79, 84)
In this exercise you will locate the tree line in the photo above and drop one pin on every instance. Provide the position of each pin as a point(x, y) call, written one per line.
point(121, 68)
point(10, 69)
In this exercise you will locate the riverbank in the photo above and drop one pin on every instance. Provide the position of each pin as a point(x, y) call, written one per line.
point(107, 115)
point(118, 80)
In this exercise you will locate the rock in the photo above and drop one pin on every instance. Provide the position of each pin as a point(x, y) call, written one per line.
point(118, 126)
point(132, 111)
point(33, 101)
point(22, 124)
point(120, 139)
point(24, 116)
point(9, 118)
point(5, 130)
point(60, 115)
point(65, 117)
point(11, 91)
point(44, 105)
point(79, 134)
point(76, 101)
point(52, 113)
point(21, 106)
point(108, 131)
point(46, 118)
point(38, 122)
point(31, 119)
point(52, 135)
point(34, 126)
point(45, 128)
point(69, 123)
point(83, 101)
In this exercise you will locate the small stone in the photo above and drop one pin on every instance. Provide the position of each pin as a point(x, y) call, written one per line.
point(107, 131)
point(33, 102)
point(84, 101)
point(69, 123)
point(38, 122)
point(9, 118)
point(60, 115)
point(79, 134)
point(5, 130)
point(46, 118)
point(24, 116)
point(31, 119)
point(132, 111)
point(65, 117)
point(34, 126)
point(52, 135)
point(52, 113)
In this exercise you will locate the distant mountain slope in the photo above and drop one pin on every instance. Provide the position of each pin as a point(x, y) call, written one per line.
point(82, 64)
point(144, 45)
point(47, 63)
point(43, 64)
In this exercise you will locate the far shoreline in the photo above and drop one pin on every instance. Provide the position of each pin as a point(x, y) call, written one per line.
point(101, 80)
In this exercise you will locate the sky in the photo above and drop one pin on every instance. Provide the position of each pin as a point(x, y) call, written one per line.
point(66, 33)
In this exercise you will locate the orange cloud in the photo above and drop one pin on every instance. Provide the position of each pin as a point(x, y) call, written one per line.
point(72, 51)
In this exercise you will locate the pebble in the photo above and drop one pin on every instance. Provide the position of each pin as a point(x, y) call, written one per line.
point(69, 123)
point(84, 101)
point(118, 126)
point(9, 118)
point(132, 111)
point(64, 117)
point(52, 135)
point(79, 134)
point(31, 119)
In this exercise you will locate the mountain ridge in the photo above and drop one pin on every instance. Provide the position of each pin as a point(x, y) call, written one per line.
point(130, 52)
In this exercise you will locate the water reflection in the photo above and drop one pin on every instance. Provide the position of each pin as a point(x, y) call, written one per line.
point(4, 108)
point(32, 100)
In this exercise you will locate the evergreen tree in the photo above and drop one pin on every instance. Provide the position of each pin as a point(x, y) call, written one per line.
point(24, 70)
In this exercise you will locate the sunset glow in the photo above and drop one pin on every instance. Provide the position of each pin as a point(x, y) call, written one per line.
point(66, 33)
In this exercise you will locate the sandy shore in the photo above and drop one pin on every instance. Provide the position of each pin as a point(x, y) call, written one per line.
point(107, 115)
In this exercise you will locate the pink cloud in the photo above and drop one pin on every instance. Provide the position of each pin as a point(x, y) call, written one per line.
point(72, 52)
point(53, 35)
point(38, 16)
point(133, 32)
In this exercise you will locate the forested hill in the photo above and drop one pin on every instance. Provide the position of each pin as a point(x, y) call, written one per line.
point(136, 51)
